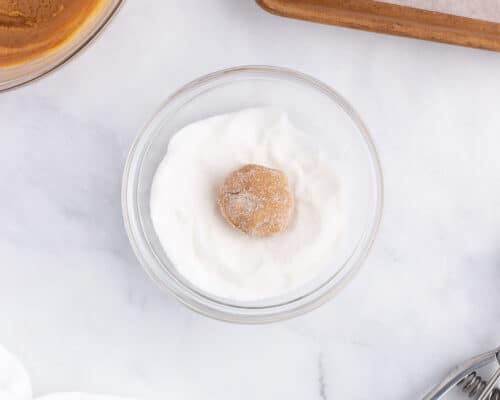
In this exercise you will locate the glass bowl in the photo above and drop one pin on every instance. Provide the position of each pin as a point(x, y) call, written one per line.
point(24, 73)
point(328, 120)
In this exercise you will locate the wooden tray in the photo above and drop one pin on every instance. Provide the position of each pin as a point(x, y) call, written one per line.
point(378, 16)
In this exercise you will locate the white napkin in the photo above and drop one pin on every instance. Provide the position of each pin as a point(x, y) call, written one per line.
point(14, 380)
point(15, 383)
point(488, 10)
point(79, 396)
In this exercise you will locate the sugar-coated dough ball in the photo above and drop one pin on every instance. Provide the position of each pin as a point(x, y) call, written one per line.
point(256, 200)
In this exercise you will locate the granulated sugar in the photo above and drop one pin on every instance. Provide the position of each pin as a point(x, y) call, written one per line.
point(204, 248)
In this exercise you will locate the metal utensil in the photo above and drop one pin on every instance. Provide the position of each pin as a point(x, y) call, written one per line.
point(465, 377)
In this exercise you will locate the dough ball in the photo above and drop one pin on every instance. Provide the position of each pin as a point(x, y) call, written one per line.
point(256, 200)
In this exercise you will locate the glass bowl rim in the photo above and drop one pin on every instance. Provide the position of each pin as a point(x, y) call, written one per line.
point(131, 217)
point(31, 77)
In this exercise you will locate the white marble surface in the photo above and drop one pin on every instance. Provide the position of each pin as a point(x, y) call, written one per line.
point(78, 310)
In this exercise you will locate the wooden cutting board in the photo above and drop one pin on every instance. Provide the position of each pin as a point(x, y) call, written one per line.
point(473, 23)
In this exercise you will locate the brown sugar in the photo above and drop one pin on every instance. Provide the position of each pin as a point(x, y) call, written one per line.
point(256, 200)
point(30, 29)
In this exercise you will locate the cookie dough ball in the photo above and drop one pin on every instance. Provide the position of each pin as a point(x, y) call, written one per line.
point(256, 200)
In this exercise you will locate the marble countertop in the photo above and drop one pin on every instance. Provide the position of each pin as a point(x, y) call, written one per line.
point(79, 311)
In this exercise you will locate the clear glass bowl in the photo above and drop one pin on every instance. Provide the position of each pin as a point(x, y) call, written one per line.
point(329, 121)
point(28, 72)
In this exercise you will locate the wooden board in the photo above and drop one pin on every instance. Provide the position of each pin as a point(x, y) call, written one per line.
point(378, 16)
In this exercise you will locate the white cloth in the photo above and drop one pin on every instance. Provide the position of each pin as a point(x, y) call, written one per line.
point(79, 396)
point(14, 380)
point(488, 10)
point(15, 383)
